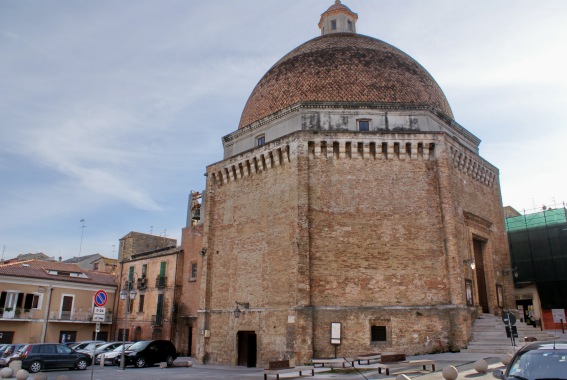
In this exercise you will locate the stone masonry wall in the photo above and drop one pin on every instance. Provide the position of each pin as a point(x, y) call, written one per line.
point(363, 229)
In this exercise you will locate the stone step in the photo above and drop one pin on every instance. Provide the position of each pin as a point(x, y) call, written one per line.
point(489, 335)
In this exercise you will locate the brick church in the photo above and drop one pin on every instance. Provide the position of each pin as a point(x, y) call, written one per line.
point(350, 214)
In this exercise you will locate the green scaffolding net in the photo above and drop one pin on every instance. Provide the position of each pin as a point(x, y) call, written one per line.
point(538, 248)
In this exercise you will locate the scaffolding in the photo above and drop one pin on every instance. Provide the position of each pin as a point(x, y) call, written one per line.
point(538, 249)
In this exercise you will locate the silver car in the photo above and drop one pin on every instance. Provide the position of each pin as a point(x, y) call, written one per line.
point(110, 356)
point(9, 353)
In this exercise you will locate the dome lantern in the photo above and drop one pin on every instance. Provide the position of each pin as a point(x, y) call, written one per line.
point(338, 19)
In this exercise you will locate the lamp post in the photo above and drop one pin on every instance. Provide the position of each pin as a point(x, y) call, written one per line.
point(123, 296)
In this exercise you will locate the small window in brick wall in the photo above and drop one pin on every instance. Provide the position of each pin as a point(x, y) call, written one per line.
point(378, 334)
point(193, 275)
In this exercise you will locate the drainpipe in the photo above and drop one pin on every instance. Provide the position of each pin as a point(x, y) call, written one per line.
point(44, 331)
point(173, 307)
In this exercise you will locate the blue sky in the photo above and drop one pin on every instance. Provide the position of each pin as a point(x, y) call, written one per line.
point(111, 110)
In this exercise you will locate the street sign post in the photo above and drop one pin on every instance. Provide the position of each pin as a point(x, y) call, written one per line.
point(509, 320)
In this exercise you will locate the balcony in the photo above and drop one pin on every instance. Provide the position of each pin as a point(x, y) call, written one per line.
point(142, 283)
point(157, 320)
point(77, 316)
point(18, 313)
point(54, 316)
point(161, 282)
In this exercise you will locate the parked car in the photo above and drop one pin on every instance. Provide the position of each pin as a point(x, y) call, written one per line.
point(149, 352)
point(540, 360)
point(81, 345)
point(103, 347)
point(110, 356)
point(89, 348)
point(11, 351)
point(3, 347)
point(39, 356)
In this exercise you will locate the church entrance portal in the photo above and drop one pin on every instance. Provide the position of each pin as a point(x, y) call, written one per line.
point(480, 277)
point(247, 348)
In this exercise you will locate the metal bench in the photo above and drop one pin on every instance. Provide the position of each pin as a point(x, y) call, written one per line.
point(279, 367)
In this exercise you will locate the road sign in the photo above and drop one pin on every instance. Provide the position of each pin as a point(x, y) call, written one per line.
point(97, 327)
point(98, 317)
point(508, 318)
point(99, 310)
point(100, 298)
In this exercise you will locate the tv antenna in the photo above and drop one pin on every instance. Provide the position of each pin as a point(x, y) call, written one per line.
point(82, 231)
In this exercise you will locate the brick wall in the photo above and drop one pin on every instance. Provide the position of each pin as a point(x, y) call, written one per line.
point(351, 228)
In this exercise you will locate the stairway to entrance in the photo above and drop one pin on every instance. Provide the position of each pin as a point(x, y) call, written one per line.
point(489, 335)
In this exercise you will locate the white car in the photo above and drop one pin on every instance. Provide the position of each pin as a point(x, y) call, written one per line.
point(110, 356)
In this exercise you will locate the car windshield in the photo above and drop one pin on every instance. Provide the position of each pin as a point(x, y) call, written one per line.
point(119, 348)
point(139, 346)
point(540, 365)
point(90, 346)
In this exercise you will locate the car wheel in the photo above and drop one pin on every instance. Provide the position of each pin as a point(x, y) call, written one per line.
point(82, 364)
point(140, 362)
point(35, 367)
point(169, 360)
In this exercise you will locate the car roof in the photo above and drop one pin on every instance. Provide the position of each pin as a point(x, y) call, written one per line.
point(546, 345)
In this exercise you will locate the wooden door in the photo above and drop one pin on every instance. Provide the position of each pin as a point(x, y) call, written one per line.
point(480, 275)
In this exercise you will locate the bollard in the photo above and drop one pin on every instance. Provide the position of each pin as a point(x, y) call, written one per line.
point(481, 366)
point(101, 364)
point(506, 359)
point(450, 373)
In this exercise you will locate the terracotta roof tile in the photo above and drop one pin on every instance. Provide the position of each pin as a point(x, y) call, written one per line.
point(40, 269)
point(343, 67)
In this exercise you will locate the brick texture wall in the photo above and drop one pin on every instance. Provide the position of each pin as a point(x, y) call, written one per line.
point(360, 229)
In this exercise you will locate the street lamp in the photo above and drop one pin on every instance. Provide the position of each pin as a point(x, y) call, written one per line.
point(237, 311)
point(123, 296)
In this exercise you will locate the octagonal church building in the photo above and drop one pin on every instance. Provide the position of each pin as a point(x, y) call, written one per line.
point(350, 214)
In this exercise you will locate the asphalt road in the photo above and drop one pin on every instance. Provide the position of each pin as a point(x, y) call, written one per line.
point(463, 362)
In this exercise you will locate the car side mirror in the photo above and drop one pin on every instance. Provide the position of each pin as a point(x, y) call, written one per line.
point(498, 374)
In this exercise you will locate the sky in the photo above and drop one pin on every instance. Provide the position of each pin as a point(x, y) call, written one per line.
point(110, 111)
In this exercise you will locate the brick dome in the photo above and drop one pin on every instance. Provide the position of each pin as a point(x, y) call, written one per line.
point(343, 67)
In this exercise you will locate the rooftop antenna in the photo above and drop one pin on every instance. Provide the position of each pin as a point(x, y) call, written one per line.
point(3, 250)
point(82, 231)
point(151, 230)
point(164, 233)
point(113, 250)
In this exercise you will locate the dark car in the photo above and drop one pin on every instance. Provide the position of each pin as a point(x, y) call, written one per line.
point(10, 351)
point(39, 356)
point(149, 352)
point(541, 360)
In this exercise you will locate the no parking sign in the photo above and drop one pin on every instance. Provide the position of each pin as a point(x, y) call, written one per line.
point(100, 298)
